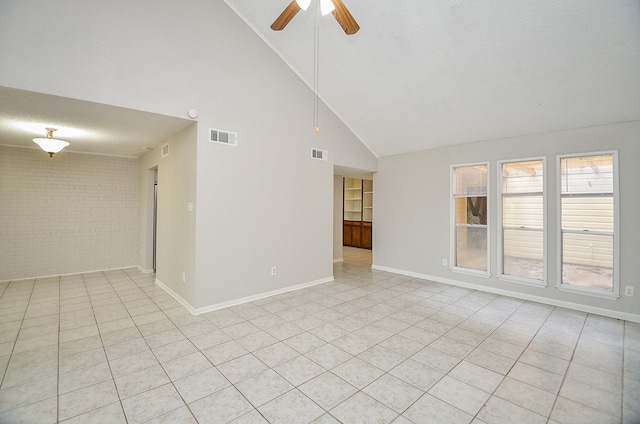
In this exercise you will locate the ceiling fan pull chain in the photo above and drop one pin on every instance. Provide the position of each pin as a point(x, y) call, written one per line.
point(316, 65)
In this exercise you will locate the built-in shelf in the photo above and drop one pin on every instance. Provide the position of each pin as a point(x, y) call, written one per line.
point(358, 212)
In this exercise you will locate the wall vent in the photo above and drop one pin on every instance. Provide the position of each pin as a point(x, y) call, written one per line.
point(223, 137)
point(319, 154)
point(165, 150)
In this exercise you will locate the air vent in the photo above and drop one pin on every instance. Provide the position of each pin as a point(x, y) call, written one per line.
point(223, 137)
point(319, 154)
point(165, 150)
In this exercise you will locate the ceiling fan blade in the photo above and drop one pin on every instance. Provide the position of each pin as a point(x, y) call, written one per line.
point(344, 18)
point(285, 17)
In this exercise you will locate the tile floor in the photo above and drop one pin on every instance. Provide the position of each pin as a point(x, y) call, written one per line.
point(371, 347)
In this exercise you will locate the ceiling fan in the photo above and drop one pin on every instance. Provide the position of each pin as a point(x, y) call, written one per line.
point(339, 10)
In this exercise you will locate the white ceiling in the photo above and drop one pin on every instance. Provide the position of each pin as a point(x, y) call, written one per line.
point(88, 127)
point(423, 74)
point(418, 75)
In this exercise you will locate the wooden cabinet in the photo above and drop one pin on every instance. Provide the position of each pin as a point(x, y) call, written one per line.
point(358, 213)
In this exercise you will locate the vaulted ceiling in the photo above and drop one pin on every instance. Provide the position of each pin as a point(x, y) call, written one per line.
point(424, 74)
point(417, 75)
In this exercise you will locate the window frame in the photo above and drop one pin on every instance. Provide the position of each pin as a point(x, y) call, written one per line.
point(453, 225)
point(614, 293)
point(500, 223)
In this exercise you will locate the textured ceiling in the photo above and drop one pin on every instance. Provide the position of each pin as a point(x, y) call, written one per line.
point(88, 127)
point(424, 74)
point(418, 75)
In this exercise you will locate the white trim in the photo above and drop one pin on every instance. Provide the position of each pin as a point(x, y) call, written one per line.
point(499, 222)
point(338, 261)
point(521, 280)
point(144, 271)
point(255, 297)
point(176, 296)
point(222, 305)
point(615, 292)
point(470, 271)
point(69, 273)
point(453, 226)
point(553, 302)
point(589, 291)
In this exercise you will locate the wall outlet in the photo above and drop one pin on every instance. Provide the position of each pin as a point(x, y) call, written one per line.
point(444, 262)
point(190, 207)
point(628, 291)
point(274, 271)
point(184, 277)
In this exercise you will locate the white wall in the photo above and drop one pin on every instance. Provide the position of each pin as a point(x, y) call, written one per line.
point(176, 231)
point(412, 207)
point(264, 203)
point(66, 214)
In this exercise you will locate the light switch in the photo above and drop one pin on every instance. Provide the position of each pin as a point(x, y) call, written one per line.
point(190, 207)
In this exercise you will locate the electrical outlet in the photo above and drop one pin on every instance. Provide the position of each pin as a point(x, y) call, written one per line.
point(184, 277)
point(274, 271)
point(444, 262)
point(628, 291)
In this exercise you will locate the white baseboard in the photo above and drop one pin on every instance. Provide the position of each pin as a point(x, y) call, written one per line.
point(553, 302)
point(240, 301)
point(247, 299)
point(338, 261)
point(144, 271)
point(70, 273)
point(176, 296)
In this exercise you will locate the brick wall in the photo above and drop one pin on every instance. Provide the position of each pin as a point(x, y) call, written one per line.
point(66, 214)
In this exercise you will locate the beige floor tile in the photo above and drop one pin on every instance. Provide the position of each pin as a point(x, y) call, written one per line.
point(201, 384)
point(264, 387)
point(86, 399)
point(42, 412)
point(436, 359)
point(181, 415)
point(417, 374)
point(499, 411)
point(602, 400)
point(393, 393)
point(83, 377)
point(431, 409)
point(25, 394)
point(174, 350)
point(536, 377)
point(186, 365)
point(566, 411)
point(132, 363)
point(222, 406)
point(275, 354)
point(382, 358)
point(141, 381)
point(111, 413)
point(363, 409)
point(291, 407)
point(526, 396)
point(150, 404)
point(357, 372)
point(299, 370)
point(459, 394)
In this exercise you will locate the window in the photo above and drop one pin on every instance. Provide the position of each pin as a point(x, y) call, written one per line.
point(522, 216)
point(588, 224)
point(470, 210)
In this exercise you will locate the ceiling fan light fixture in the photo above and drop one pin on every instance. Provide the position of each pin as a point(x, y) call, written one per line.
point(304, 4)
point(50, 144)
point(326, 7)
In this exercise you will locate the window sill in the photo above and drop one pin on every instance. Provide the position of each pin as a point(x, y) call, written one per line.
point(469, 271)
point(602, 294)
point(523, 281)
